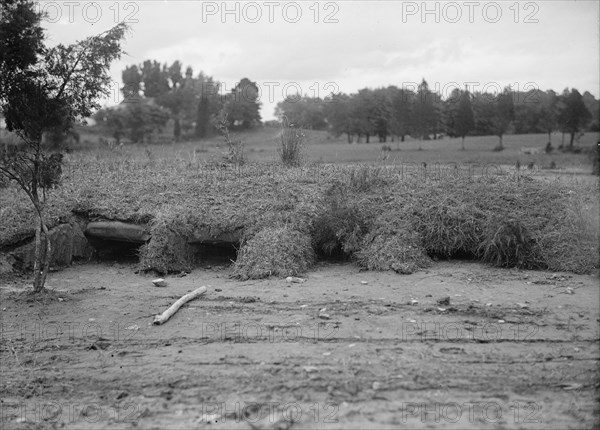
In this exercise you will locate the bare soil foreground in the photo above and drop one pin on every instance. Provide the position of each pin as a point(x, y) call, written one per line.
point(460, 345)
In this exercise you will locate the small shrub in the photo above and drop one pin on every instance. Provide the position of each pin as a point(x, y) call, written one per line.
point(292, 144)
point(274, 251)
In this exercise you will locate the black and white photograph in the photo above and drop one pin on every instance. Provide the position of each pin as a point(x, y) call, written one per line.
point(286, 215)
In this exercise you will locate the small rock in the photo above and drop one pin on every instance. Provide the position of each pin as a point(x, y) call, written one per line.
point(413, 302)
point(523, 305)
point(488, 304)
point(160, 282)
point(500, 321)
point(444, 301)
point(294, 279)
point(218, 289)
point(364, 282)
point(324, 316)
point(441, 309)
point(570, 290)
point(310, 369)
point(377, 385)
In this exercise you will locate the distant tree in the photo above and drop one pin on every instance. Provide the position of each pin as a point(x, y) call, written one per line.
point(136, 121)
point(425, 116)
point(572, 114)
point(337, 109)
point(380, 115)
point(306, 112)
point(548, 113)
point(155, 78)
point(401, 105)
point(460, 118)
point(210, 103)
point(132, 83)
point(493, 114)
point(44, 89)
point(242, 107)
point(593, 106)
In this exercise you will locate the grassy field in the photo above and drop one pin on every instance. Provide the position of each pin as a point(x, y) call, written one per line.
point(321, 147)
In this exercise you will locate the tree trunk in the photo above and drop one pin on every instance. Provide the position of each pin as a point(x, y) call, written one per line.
point(550, 136)
point(367, 138)
point(43, 253)
point(571, 140)
point(403, 137)
point(177, 130)
point(500, 145)
point(420, 141)
point(463, 143)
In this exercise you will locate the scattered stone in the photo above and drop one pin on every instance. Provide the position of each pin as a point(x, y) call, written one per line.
point(160, 282)
point(310, 369)
point(413, 302)
point(523, 305)
point(500, 321)
point(570, 290)
point(364, 282)
point(294, 279)
point(324, 316)
point(377, 385)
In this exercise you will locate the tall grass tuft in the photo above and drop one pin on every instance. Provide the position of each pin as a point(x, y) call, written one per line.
point(292, 143)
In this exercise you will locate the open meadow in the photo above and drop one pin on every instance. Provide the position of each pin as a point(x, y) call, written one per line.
point(432, 288)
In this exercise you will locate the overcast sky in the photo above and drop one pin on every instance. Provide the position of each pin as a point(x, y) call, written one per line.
point(319, 47)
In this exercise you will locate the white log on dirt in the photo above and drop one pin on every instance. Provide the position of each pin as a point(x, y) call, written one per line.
point(164, 317)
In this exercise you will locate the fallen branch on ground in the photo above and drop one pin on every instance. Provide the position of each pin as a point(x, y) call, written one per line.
point(160, 319)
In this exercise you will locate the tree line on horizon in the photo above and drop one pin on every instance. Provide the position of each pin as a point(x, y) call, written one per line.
point(392, 112)
point(158, 94)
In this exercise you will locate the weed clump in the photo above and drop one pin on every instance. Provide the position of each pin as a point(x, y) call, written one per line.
point(291, 144)
point(274, 251)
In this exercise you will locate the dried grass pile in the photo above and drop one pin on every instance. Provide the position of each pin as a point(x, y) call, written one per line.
point(274, 251)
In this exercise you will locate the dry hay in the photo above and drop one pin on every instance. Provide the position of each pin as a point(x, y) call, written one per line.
point(274, 251)
point(400, 251)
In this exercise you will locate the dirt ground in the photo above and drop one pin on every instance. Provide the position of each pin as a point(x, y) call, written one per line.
point(461, 345)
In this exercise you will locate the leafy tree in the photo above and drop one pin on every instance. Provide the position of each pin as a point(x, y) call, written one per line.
point(242, 107)
point(132, 80)
point(572, 114)
point(43, 89)
point(337, 114)
point(155, 79)
point(306, 112)
point(460, 118)
point(548, 114)
point(493, 114)
point(401, 104)
point(137, 121)
point(425, 116)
